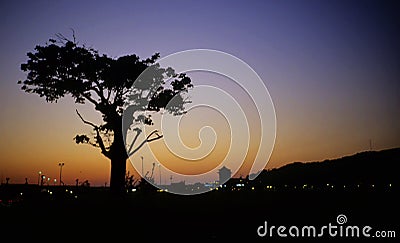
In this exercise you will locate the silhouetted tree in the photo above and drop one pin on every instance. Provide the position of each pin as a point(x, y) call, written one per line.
point(63, 67)
point(85, 183)
point(130, 181)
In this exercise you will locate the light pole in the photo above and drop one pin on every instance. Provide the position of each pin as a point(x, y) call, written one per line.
point(41, 179)
point(159, 171)
point(142, 166)
point(40, 175)
point(61, 165)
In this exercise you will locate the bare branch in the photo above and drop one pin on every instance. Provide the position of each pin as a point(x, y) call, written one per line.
point(99, 139)
point(73, 35)
point(154, 139)
point(61, 38)
point(108, 94)
point(147, 140)
point(138, 132)
point(87, 122)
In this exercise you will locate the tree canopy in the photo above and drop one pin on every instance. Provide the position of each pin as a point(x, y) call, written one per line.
point(115, 86)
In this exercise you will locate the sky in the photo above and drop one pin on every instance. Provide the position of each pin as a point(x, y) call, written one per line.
point(332, 69)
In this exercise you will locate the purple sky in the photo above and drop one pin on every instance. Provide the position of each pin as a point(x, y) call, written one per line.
point(332, 67)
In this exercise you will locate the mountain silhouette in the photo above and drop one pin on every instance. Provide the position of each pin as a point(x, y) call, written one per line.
point(365, 169)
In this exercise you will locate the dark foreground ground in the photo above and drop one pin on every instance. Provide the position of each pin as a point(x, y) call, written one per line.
point(94, 215)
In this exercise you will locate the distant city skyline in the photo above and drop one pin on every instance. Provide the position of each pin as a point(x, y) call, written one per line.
point(331, 68)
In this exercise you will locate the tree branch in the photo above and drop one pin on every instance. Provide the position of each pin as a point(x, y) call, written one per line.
point(138, 132)
point(98, 137)
point(147, 140)
point(87, 122)
point(90, 99)
point(108, 94)
point(99, 91)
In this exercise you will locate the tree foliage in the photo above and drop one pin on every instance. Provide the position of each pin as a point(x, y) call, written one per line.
point(114, 86)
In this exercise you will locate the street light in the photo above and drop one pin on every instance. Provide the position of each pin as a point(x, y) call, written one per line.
point(61, 165)
point(40, 175)
point(41, 179)
point(159, 171)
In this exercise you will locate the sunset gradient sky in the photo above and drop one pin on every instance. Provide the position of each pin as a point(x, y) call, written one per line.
point(332, 69)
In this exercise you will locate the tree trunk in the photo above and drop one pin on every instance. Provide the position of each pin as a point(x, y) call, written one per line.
point(118, 157)
point(118, 171)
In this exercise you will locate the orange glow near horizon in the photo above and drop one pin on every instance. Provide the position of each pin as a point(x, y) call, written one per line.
point(41, 135)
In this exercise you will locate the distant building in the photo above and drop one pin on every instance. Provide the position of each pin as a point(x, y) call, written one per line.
point(179, 187)
point(224, 175)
